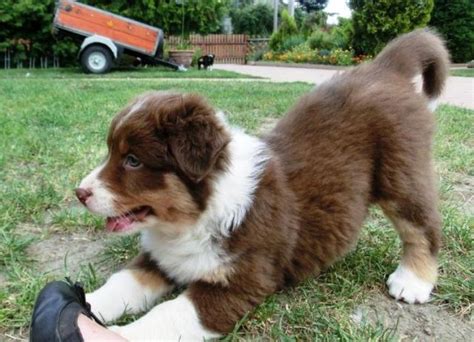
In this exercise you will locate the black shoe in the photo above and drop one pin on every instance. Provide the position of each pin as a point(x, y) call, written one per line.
point(56, 311)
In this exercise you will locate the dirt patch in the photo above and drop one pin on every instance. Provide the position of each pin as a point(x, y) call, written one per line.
point(414, 322)
point(66, 253)
point(464, 190)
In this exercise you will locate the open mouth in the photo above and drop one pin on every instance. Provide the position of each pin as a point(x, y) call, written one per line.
point(125, 221)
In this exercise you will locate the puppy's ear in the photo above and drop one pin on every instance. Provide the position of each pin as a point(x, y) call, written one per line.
point(196, 138)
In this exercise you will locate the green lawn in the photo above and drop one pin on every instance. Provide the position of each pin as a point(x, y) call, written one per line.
point(463, 72)
point(53, 132)
point(135, 73)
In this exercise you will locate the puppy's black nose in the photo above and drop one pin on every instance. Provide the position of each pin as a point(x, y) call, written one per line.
point(83, 195)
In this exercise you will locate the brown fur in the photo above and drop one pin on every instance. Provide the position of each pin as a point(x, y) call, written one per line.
point(145, 267)
point(179, 142)
point(362, 138)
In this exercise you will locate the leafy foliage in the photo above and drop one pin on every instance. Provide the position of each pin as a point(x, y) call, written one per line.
point(377, 22)
point(252, 20)
point(286, 30)
point(313, 21)
point(25, 25)
point(25, 28)
point(291, 42)
point(313, 5)
point(342, 34)
point(202, 17)
point(321, 40)
point(455, 20)
point(305, 54)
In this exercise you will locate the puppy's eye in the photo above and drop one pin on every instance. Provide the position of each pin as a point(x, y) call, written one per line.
point(132, 162)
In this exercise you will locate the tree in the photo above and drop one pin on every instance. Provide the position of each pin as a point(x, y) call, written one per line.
point(253, 20)
point(25, 30)
point(25, 25)
point(201, 17)
point(455, 20)
point(287, 30)
point(377, 22)
point(313, 21)
point(313, 5)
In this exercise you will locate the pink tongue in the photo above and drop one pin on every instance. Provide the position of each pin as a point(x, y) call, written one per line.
point(118, 224)
point(121, 223)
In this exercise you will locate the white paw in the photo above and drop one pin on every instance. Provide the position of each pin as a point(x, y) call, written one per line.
point(105, 307)
point(405, 285)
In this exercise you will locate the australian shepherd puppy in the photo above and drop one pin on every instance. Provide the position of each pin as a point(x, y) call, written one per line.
point(233, 218)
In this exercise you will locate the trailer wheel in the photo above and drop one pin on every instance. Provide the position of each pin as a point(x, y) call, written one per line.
point(96, 59)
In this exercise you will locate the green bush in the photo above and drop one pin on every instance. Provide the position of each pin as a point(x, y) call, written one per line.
point(321, 40)
point(202, 17)
point(342, 34)
point(196, 55)
point(313, 5)
point(31, 21)
point(455, 20)
point(338, 36)
point(377, 22)
point(340, 57)
point(291, 42)
point(257, 55)
point(252, 20)
point(313, 21)
point(287, 29)
point(303, 53)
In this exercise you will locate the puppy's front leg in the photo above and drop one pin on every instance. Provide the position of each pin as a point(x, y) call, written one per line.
point(132, 290)
point(205, 310)
point(174, 320)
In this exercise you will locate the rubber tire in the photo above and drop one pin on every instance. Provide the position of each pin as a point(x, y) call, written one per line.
point(97, 49)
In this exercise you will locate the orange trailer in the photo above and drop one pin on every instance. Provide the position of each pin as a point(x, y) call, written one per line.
point(106, 36)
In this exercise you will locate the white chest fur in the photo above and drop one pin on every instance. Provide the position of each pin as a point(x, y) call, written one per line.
point(187, 257)
point(196, 253)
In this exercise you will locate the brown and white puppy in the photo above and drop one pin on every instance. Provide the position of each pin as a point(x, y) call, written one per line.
point(235, 218)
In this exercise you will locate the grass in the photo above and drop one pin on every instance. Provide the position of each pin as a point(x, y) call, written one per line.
point(53, 132)
point(463, 72)
point(135, 73)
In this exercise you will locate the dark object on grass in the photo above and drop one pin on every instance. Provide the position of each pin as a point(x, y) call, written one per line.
point(206, 61)
point(56, 311)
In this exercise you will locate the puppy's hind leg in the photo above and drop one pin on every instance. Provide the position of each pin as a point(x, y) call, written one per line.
point(418, 223)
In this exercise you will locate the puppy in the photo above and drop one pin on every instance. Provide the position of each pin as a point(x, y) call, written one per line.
point(233, 218)
point(206, 62)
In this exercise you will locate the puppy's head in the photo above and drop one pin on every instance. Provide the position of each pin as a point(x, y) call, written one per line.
point(163, 151)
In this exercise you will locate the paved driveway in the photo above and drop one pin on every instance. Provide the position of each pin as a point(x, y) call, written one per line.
point(459, 90)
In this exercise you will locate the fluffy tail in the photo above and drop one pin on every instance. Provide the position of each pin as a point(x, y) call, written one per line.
point(421, 51)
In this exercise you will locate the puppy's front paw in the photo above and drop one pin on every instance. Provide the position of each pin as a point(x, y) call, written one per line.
point(405, 285)
point(105, 307)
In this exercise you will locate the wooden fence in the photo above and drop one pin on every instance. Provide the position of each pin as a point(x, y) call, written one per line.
point(228, 48)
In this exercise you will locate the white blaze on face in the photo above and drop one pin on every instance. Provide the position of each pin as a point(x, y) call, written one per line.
point(101, 201)
point(137, 105)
